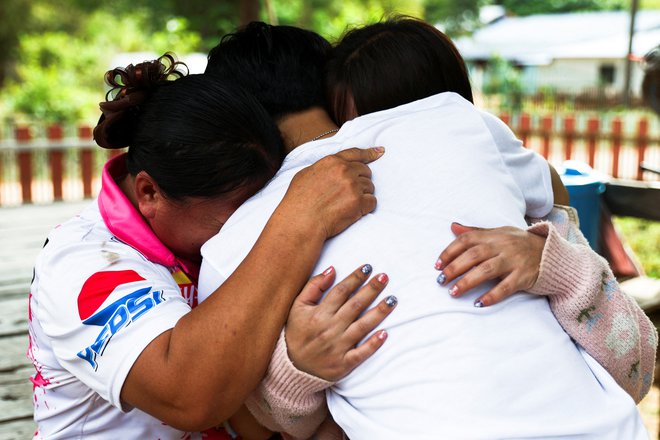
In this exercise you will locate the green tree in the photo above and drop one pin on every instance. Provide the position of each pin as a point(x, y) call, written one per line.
point(331, 19)
point(210, 19)
point(56, 51)
point(526, 7)
point(13, 16)
point(456, 17)
point(504, 79)
point(59, 73)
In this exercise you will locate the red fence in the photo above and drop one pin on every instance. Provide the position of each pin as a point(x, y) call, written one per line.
point(609, 150)
point(51, 166)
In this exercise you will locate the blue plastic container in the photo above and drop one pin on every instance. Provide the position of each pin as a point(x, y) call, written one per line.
point(584, 189)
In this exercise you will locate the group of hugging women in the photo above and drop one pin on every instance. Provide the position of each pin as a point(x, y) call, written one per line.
point(455, 298)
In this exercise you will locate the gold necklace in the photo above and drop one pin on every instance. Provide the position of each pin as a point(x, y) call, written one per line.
point(334, 130)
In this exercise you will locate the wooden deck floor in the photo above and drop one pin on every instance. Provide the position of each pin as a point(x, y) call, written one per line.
point(22, 233)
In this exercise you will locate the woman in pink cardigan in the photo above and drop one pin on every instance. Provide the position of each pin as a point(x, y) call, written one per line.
point(551, 258)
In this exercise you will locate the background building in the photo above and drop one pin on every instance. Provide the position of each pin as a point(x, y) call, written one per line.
point(569, 53)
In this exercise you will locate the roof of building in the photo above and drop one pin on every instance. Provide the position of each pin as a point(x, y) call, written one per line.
point(540, 39)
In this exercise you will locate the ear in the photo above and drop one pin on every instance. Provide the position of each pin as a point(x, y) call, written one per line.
point(148, 195)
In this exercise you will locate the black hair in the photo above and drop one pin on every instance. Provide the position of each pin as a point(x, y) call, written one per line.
point(283, 66)
point(390, 63)
point(195, 136)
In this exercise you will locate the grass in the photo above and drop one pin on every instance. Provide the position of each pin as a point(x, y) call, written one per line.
point(643, 237)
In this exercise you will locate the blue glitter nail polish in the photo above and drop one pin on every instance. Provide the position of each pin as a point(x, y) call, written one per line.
point(366, 269)
point(391, 301)
point(441, 278)
point(478, 304)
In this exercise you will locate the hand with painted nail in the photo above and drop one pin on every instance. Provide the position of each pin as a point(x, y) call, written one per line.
point(509, 254)
point(321, 335)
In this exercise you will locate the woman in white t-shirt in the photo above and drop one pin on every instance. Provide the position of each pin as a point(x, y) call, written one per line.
point(490, 247)
point(397, 62)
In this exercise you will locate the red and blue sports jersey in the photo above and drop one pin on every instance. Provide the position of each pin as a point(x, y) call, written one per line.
point(104, 288)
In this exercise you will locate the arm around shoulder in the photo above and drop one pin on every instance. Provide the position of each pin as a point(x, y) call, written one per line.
point(230, 352)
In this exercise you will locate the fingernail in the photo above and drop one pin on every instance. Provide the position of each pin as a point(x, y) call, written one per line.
point(366, 269)
point(454, 290)
point(379, 150)
point(457, 223)
point(328, 271)
point(382, 335)
point(391, 301)
point(383, 278)
point(438, 264)
point(478, 304)
point(441, 278)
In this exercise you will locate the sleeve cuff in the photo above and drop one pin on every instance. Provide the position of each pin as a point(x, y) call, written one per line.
point(285, 383)
point(289, 400)
point(560, 262)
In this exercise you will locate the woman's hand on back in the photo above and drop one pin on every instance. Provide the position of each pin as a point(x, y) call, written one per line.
point(509, 254)
point(333, 193)
point(322, 335)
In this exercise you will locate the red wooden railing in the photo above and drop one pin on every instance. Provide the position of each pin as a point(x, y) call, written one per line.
point(597, 140)
point(20, 154)
point(23, 137)
point(556, 137)
point(86, 161)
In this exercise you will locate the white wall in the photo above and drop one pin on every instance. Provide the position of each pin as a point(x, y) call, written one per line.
point(579, 74)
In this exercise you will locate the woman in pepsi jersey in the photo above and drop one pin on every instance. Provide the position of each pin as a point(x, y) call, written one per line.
point(119, 347)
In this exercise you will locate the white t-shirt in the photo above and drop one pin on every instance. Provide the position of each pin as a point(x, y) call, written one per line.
point(448, 370)
point(96, 302)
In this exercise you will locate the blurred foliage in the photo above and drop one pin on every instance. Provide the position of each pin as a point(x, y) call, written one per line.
point(456, 18)
point(643, 237)
point(527, 7)
point(332, 19)
point(53, 53)
point(50, 86)
point(56, 51)
point(505, 80)
point(13, 16)
point(59, 70)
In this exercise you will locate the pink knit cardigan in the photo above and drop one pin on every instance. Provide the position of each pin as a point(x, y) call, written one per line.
point(583, 294)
